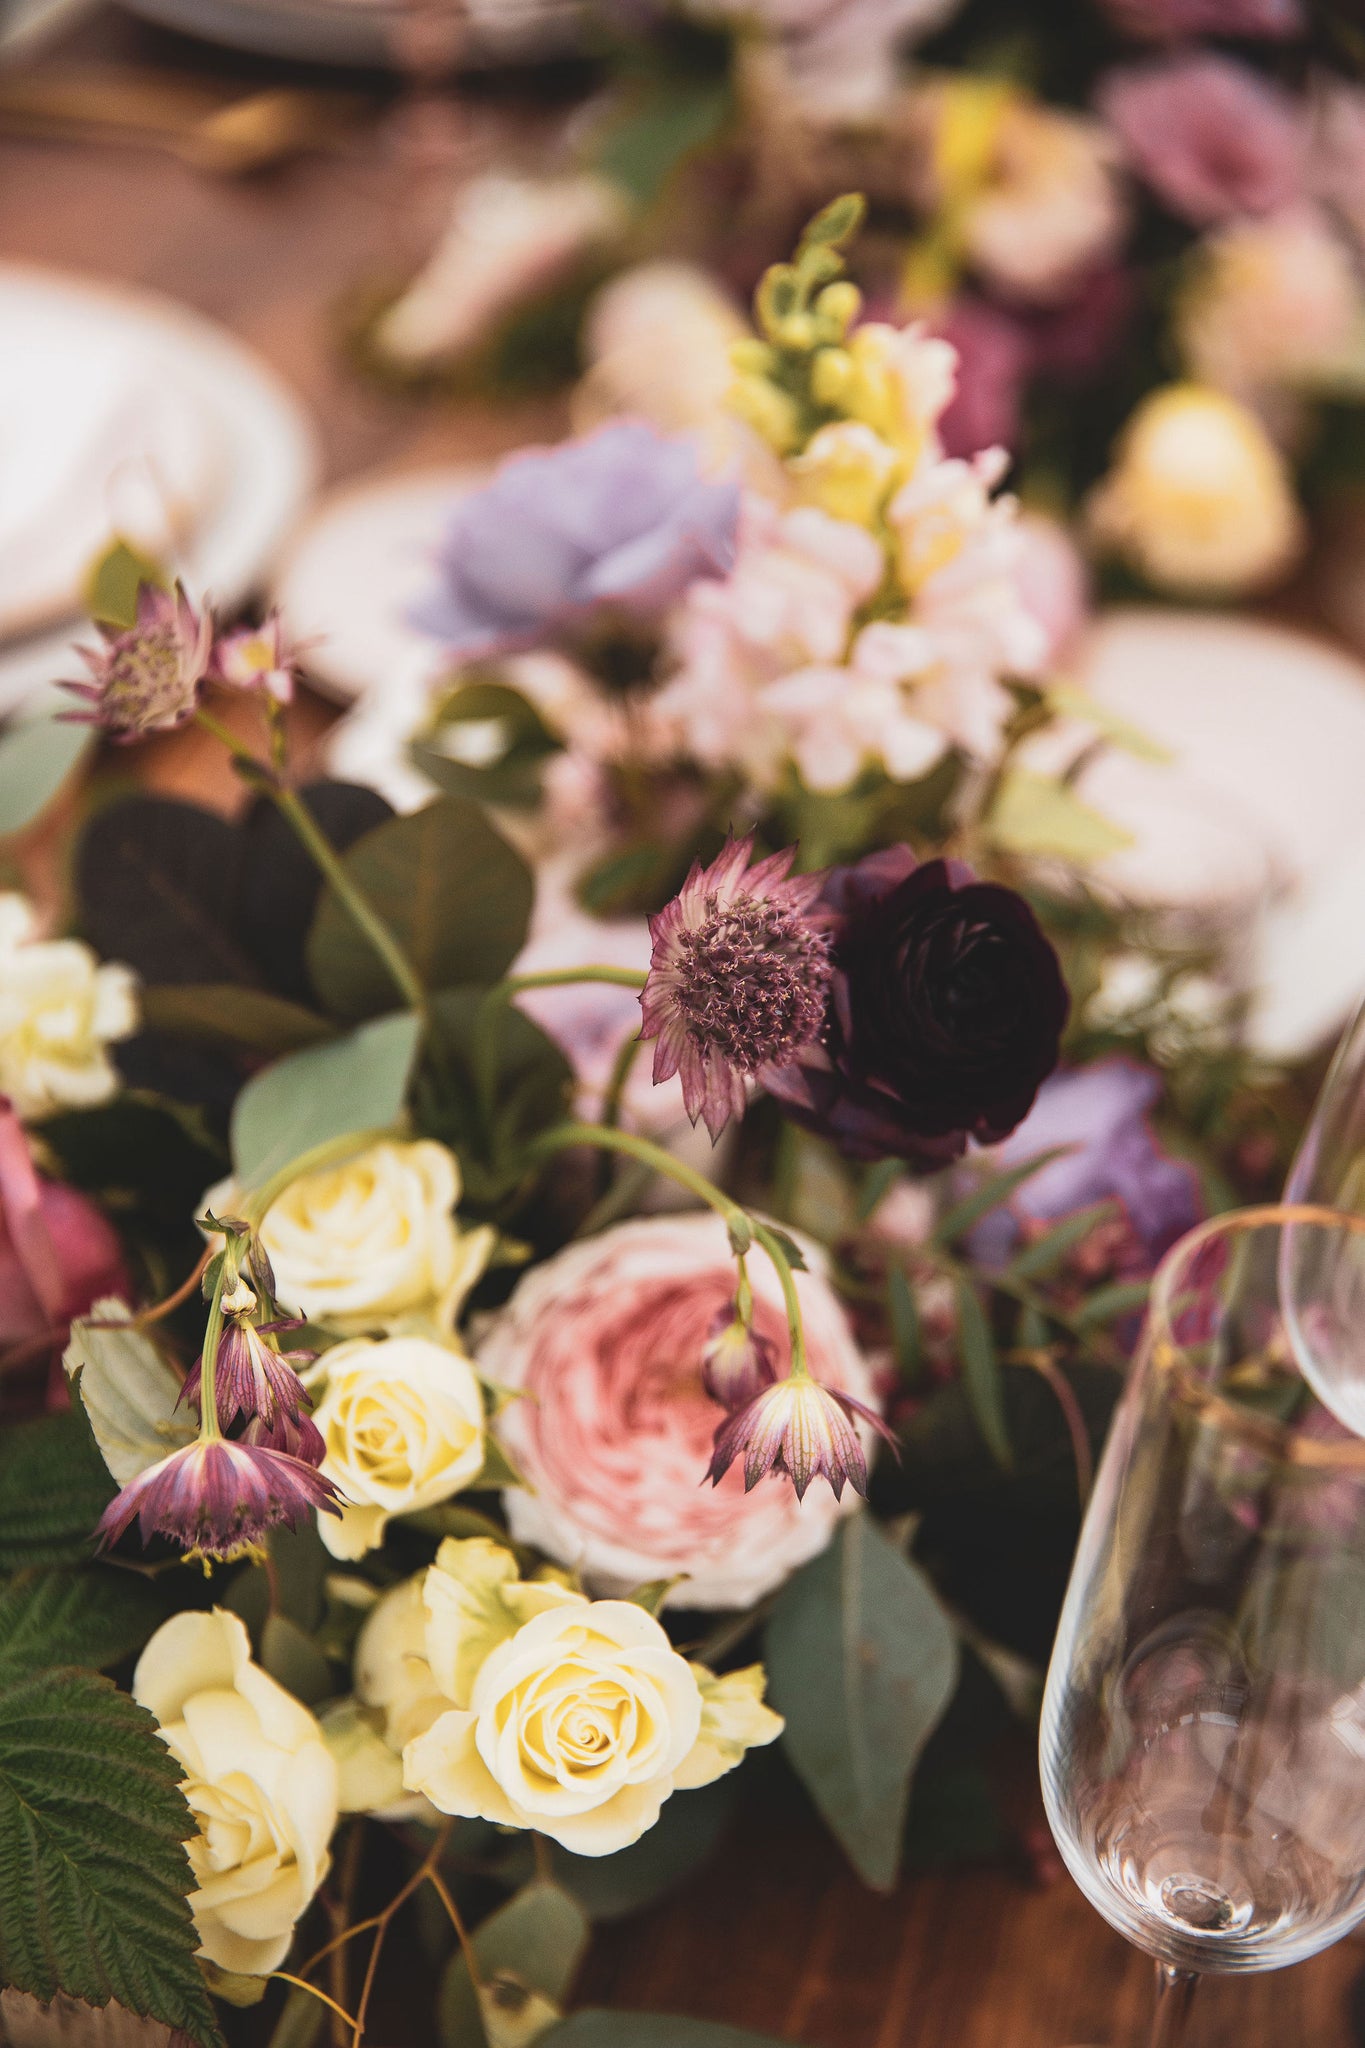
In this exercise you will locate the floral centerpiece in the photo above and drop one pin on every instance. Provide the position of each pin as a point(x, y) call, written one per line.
point(512, 1307)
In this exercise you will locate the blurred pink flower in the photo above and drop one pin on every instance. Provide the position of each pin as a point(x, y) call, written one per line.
point(608, 1341)
point(993, 361)
point(1078, 338)
point(1210, 136)
point(1169, 20)
point(1053, 582)
point(58, 1254)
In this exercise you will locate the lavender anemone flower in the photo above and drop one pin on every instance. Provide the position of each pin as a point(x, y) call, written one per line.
point(146, 677)
point(737, 1362)
point(216, 1499)
point(622, 519)
point(802, 1429)
point(739, 978)
point(251, 1378)
point(1101, 1113)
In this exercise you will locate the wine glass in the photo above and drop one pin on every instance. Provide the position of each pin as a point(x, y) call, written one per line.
point(1323, 1285)
point(1203, 1732)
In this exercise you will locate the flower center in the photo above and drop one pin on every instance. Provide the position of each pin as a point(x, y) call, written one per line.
point(753, 982)
point(146, 676)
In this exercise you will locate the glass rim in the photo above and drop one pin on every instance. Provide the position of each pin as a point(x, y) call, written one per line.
point(1169, 1355)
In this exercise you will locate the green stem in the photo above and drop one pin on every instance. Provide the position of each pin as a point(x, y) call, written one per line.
point(616, 1085)
point(563, 1137)
point(208, 1371)
point(485, 1059)
point(325, 857)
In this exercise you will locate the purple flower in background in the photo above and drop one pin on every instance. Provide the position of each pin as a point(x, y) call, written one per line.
point(1101, 1112)
point(623, 518)
point(993, 355)
point(1162, 21)
point(216, 1498)
point(1209, 135)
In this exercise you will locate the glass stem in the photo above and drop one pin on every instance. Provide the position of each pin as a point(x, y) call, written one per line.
point(1175, 1991)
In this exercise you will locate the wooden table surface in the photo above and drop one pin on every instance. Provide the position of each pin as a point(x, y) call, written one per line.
point(776, 1934)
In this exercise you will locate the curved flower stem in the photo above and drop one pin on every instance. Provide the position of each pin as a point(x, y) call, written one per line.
point(742, 1226)
point(616, 1086)
point(213, 1330)
point(315, 842)
point(300, 1984)
point(505, 991)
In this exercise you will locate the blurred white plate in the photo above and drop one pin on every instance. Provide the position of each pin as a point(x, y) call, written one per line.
point(263, 439)
point(1258, 819)
point(367, 32)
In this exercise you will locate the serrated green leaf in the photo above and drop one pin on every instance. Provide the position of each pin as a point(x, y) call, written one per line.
point(981, 1372)
point(1048, 1251)
point(450, 889)
point(93, 1870)
point(862, 1662)
point(54, 1486)
point(359, 1082)
point(91, 1617)
point(532, 1945)
point(992, 1194)
point(1036, 814)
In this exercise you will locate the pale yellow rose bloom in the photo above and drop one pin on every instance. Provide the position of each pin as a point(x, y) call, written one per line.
point(60, 1011)
point(259, 1782)
point(362, 1243)
point(1199, 498)
point(579, 1720)
point(402, 1419)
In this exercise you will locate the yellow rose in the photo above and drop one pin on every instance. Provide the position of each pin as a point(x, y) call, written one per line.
point(1199, 498)
point(374, 1238)
point(402, 1419)
point(575, 1717)
point(59, 1012)
point(259, 1782)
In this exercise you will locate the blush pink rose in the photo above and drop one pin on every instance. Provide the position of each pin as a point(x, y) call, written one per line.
point(615, 1435)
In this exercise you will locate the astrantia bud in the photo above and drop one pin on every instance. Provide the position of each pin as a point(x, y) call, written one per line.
point(739, 978)
point(251, 1378)
point(216, 1499)
point(800, 1428)
point(737, 1362)
point(146, 677)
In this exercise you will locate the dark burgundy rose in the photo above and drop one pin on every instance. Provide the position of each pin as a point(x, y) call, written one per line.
point(947, 1010)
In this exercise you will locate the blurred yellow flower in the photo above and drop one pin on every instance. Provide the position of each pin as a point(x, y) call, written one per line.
point(1199, 498)
point(847, 470)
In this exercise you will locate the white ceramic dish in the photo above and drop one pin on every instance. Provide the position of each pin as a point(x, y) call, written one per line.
point(264, 443)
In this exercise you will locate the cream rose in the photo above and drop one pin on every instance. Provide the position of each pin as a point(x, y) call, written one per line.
point(606, 1342)
point(259, 1782)
point(374, 1238)
point(59, 1013)
point(1199, 498)
point(402, 1420)
point(575, 1717)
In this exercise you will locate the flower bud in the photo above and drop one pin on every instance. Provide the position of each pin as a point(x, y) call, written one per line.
point(737, 1362)
point(840, 304)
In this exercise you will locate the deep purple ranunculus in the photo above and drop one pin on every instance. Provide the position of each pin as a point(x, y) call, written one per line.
point(623, 518)
point(946, 1012)
point(1101, 1112)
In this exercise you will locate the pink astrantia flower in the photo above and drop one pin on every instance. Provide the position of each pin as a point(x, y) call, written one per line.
point(257, 658)
point(801, 1429)
point(737, 1362)
point(146, 677)
point(216, 1498)
point(1209, 135)
point(251, 1378)
point(738, 980)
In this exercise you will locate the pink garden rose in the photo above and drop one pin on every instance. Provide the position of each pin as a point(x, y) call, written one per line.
point(1212, 137)
point(606, 1340)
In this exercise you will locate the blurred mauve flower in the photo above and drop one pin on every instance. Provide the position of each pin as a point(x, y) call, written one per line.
point(947, 1010)
point(1210, 136)
point(1078, 338)
point(58, 1254)
point(622, 519)
point(1169, 20)
point(993, 361)
point(1101, 1112)
point(1053, 581)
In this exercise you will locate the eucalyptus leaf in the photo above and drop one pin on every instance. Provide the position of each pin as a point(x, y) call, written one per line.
point(359, 1082)
point(488, 742)
point(527, 1952)
point(1036, 814)
point(129, 1391)
point(451, 891)
point(862, 1662)
point(233, 1016)
point(38, 757)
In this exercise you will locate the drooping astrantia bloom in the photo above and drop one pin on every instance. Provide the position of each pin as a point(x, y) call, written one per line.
point(799, 1428)
point(297, 1436)
point(216, 1498)
point(738, 1361)
point(739, 978)
point(251, 1378)
point(146, 677)
point(257, 658)
point(946, 1013)
point(621, 520)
